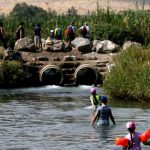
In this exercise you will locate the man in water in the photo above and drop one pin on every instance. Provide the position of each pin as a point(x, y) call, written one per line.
point(103, 113)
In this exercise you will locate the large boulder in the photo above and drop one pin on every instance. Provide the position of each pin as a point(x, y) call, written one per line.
point(95, 42)
point(105, 46)
point(24, 44)
point(58, 45)
point(82, 44)
point(54, 45)
point(130, 44)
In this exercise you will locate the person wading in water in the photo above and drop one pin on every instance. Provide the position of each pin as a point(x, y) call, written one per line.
point(133, 138)
point(103, 113)
point(94, 98)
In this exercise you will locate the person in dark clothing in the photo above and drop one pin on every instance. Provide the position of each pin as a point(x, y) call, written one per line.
point(37, 37)
point(20, 31)
point(2, 40)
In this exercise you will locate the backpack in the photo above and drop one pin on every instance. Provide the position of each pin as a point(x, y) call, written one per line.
point(69, 31)
point(84, 30)
point(58, 32)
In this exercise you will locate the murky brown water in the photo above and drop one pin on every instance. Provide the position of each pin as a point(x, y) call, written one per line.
point(55, 118)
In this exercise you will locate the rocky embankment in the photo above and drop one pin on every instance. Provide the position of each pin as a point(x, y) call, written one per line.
point(82, 63)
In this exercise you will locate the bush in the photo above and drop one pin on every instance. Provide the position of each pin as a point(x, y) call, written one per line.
point(10, 72)
point(130, 78)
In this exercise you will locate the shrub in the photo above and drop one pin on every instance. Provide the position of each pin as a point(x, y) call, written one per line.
point(10, 72)
point(130, 78)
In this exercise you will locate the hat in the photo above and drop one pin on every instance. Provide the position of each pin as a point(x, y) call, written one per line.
point(93, 90)
point(103, 99)
point(130, 125)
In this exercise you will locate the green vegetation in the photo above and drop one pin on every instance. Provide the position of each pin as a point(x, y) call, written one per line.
point(130, 77)
point(10, 72)
point(1, 52)
point(117, 27)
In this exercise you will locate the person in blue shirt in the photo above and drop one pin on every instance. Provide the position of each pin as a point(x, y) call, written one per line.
point(103, 114)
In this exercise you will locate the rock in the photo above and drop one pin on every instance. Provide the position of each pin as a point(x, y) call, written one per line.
point(58, 45)
point(67, 47)
point(110, 67)
point(24, 44)
point(48, 41)
point(47, 47)
point(12, 55)
point(130, 44)
point(69, 58)
point(105, 46)
point(56, 59)
point(99, 47)
point(95, 42)
point(82, 44)
point(42, 58)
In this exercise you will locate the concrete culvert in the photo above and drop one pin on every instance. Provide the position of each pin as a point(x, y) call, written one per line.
point(85, 75)
point(51, 75)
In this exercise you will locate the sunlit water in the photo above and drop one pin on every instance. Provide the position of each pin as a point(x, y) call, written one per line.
point(57, 118)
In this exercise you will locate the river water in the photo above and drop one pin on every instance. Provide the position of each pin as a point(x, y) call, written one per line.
point(57, 118)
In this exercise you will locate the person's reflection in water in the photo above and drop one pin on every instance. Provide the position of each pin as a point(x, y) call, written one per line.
point(103, 132)
point(103, 136)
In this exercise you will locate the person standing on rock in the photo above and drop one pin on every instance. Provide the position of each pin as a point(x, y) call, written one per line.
point(70, 32)
point(2, 40)
point(85, 30)
point(20, 31)
point(37, 37)
point(58, 33)
point(52, 36)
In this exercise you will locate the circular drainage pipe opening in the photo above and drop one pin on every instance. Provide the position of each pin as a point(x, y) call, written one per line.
point(51, 75)
point(85, 75)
